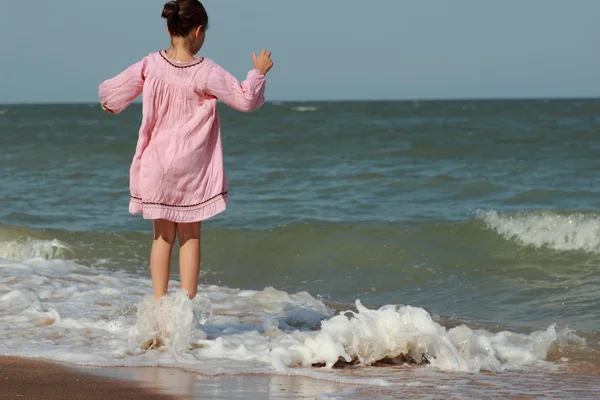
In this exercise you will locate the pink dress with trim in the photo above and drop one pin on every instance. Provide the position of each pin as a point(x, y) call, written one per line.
point(177, 171)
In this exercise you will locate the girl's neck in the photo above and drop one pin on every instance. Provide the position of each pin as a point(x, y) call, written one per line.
point(179, 52)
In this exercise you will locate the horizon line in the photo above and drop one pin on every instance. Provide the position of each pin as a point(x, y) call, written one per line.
point(339, 100)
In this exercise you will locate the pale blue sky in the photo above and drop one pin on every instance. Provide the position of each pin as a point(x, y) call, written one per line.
point(59, 51)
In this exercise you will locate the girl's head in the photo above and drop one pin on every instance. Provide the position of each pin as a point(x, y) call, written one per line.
point(187, 22)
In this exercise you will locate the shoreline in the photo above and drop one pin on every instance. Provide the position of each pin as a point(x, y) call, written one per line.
point(24, 378)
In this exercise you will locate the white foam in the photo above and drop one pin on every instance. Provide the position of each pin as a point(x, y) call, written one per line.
point(400, 331)
point(547, 229)
point(59, 310)
point(305, 108)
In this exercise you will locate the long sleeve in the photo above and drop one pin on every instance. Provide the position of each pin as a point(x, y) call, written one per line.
point(246, 97)
point(118, 92)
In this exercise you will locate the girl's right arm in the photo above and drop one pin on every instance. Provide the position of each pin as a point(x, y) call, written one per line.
point(118, 92)
point(247, 96)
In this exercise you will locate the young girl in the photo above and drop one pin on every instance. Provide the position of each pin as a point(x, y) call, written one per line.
point(177, 177)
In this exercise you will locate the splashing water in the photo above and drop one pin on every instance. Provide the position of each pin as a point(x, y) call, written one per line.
point(172, 321)
point(404, 333)
point(58, 309)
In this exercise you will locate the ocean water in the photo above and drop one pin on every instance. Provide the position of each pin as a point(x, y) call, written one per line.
point(388, 245)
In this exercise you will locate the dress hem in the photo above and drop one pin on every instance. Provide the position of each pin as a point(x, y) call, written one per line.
point(179, 214)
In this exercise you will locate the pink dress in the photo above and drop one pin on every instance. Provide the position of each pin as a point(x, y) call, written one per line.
point(177, 171)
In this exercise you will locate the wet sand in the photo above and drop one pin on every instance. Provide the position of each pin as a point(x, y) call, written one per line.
point(195, 386)
point(31, 379)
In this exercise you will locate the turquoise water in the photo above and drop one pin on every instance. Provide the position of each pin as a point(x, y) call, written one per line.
point(478, 211)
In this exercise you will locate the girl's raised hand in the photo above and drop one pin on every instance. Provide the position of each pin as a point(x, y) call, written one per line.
point(263, 62)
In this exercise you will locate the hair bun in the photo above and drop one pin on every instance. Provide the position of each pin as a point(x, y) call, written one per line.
point(170, 11)
point(183, 16)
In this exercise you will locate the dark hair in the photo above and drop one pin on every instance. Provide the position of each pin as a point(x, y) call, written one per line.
point(184, 15)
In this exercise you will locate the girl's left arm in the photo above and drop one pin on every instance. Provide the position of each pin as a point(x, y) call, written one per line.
point(118, 92)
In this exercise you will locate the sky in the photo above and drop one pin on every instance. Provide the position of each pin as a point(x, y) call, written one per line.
point(59, 51)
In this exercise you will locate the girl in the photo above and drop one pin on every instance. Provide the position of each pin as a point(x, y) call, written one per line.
point(177, 177)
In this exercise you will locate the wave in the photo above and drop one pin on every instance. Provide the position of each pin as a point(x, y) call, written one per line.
point(364, 243)
point(60, 308)
point(64, 311)
point(18, 243)
point(305, 108)
point(547, 229)
point(34, 248)
point(127, 250)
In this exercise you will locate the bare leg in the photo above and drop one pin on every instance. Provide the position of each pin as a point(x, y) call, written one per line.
point(189, 256)
point(160, 256)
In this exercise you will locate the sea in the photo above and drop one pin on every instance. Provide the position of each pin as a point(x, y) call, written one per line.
point(415, 249)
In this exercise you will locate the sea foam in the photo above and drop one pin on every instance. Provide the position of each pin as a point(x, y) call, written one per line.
point(60, 310)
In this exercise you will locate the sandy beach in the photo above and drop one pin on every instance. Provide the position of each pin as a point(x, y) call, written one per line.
point(30, 379)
